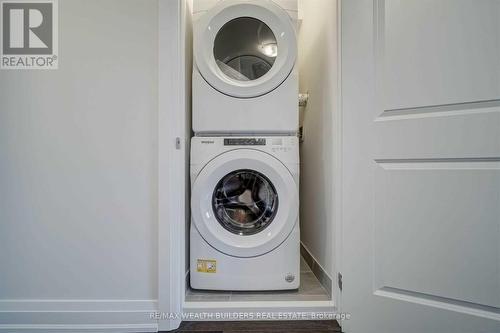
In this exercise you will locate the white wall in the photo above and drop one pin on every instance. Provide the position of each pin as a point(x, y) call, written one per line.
point(78, 160)
point(318, 76)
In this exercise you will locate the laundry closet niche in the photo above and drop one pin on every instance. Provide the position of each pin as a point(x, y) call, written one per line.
point(316, 66)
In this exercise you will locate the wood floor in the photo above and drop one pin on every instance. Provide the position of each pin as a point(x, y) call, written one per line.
point(303, 326)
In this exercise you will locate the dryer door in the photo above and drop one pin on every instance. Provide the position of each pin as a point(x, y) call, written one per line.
point(244, 203)
point(245, 49)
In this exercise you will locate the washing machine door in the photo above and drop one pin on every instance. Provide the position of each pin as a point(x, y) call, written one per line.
point(245, 48)
point(244, 203)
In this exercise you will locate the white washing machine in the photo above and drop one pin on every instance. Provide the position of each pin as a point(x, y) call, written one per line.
point(245, 78)
point(244, 213)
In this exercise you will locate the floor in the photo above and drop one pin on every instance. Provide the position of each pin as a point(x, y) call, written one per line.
point(324, 326)
point(310, 290)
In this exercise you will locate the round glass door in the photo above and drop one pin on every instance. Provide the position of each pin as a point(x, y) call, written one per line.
point(245, 49)
point(245, 202)
point(234, 203)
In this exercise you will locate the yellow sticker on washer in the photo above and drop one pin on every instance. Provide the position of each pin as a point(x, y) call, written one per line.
point(206, 266)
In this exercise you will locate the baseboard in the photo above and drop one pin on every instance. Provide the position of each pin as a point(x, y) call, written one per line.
point(73, 316)
point(317, 269)
point(138, 328)
point(262, 310)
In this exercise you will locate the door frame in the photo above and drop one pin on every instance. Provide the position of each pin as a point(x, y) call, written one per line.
point(173, 163)
point(337, 153)
point(173, 147)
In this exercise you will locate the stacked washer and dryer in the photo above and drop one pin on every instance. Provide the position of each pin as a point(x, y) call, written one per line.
point(244, 231)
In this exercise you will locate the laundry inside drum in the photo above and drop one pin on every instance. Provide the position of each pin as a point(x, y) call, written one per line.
point(245, 202)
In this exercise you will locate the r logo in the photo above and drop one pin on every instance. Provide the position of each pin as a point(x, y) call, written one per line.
point(27, 28)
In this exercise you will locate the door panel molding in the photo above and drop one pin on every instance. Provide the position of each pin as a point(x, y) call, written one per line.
point(467, 163)
point(450, 304)
point(456, 109)
point(435, 53)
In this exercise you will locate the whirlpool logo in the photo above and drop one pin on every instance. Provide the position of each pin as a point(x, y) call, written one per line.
point(29, 36)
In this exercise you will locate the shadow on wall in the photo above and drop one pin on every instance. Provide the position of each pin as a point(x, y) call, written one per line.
point(318, 76)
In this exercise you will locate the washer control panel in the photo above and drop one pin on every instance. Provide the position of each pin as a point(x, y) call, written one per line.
point(284, 148)
point(245, 142)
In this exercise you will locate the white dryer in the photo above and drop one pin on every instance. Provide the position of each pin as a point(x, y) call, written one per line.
point(245, 78)
point(244, 213)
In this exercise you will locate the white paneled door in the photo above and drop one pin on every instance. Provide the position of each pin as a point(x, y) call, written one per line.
point(421, 165)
